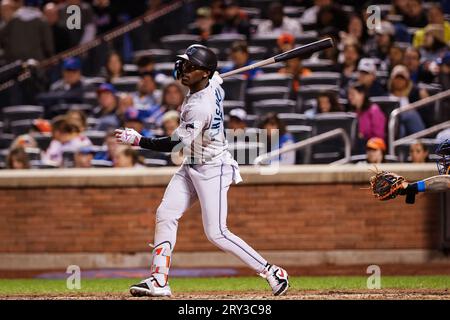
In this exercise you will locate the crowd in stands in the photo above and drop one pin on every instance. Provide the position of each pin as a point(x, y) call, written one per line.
point(402, 59)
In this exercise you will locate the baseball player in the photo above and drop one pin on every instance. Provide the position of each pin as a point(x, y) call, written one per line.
point(206, 174)
point(387, 185)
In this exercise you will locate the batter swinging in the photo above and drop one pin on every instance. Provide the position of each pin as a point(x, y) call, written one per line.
point(206, 174)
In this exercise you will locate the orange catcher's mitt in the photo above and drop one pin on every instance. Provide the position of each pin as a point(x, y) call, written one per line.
point(386, 185)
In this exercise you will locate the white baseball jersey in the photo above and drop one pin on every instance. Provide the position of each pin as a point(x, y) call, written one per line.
point(202, 127)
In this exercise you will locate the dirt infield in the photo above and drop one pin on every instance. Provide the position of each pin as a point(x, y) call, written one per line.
point(386, 294)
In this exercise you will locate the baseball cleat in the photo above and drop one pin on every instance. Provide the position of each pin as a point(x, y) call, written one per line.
point(277, 278)
point(150, 287)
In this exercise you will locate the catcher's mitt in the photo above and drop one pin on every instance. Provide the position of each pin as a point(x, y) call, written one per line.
point(386, 185)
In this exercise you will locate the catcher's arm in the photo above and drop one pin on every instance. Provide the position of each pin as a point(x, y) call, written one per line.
point(433, 184)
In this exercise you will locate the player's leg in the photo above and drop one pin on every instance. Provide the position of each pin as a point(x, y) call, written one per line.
point(212, 184)
point(178, 197)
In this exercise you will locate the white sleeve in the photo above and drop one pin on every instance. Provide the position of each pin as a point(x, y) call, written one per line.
point(191, 126)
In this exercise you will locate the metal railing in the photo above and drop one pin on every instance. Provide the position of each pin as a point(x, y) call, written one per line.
point(416, 105)
point(437, 128)
point(306, 143)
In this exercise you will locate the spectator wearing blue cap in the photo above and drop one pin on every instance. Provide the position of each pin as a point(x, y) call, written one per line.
point(106, 111)
point(134, 119)
point(83, 157)
point(70, 88)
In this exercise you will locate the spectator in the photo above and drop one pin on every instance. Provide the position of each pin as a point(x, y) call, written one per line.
point(203, 23)
point(114, 67)
point(275, 129)
point(239, 58)
point(371, 119)
point(66, 137)
point(331, 16)
point(134, 119)
point(61, 36)
point(417, 71)
point(401, 86)
point(278, 23)
point(83, 157)
point(329, 53)
point(104, 16)
point(326, 101)
point(351, 54)
point(126, 157)
point(170, 121)
point(310, 14)
point(415, 16)
point(88, 28)
point(71, 87)
point(78, 117)
point(435, 16)
point(147, 97)
point(384, 39)
point(375, 150)
point(356, 31)
point(237, 119)
point(145, 64)
point(234, 20)
point(125, 102)
point(7, 9)
point(434, 46)
point(418, 152)
point(367, 75)
point(399, 7)
point(27, 35)
point(18, 159)
point(24, 141)
point(111, 146)
point(172, 97)
point(106, 111)
point(444, 80)
point(395, 57)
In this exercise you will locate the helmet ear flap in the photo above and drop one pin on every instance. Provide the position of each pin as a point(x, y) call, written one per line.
point(178, 69)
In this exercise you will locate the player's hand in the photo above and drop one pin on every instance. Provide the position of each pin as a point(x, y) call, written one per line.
point(128, 136)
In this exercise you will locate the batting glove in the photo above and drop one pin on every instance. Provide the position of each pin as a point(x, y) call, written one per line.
point(128, 136)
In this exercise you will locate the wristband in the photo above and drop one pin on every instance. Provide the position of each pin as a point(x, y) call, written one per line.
point(421, 186)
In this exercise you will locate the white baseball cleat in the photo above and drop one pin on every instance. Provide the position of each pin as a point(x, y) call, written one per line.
point(150, 287)
point(277, 278)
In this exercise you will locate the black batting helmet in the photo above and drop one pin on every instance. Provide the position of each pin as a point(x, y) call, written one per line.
point(201, 56)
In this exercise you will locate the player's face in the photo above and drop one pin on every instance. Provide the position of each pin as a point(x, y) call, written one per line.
point(192, 74)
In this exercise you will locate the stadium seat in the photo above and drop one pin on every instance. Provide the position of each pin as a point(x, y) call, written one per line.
point(293, 11)
point(68, 159)
point(321, 78)
point(246, 152)
point(266, 41)
point(43, 140)
point(318, 65)
point(158, 55)
point(265, 93)
point(311, 92)
point(97, 137)
point(94, 82)
point(64, 107)
point(90, 97)
point(130, 70)
point(263, 107)
point(1, 127)
point(21, 112)
point(306, 37)
point(38, 164)
point(257, 53)
point(223, 42)
point(293, 119)
point(386, 103)
point(272, 79)
point(126, 84)
point(333, 149)
point(300, 133)
point(19, 127)
point(165, 68)
point(179, 42)
point(229, 105)
point(3, 158)
point(5, 140)
point(155, 162)
point(101, 163)
point(273, 68)
point(234, 87)
point(34, 154)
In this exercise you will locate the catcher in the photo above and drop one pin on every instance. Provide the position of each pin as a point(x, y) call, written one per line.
point(388, 185)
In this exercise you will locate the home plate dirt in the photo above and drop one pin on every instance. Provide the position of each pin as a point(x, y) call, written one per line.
point(387, 294)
